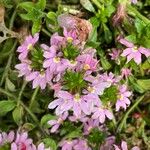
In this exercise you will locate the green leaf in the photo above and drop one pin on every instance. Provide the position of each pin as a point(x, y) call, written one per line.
point(110, 95)
point(36, 26)
point(140, 25)
point(146, 64)
point(18, 114)
point(131, 38)
point(74, 134)
point(45, 119)
point(10, 85)
point(107, 34)
point(105, 63)
point(87, 5)
point(50, 143)
point(96, 137)
point(41, 4)
point(28, 126)
point(26, 5)
point(6, 106)
point(144, 83)
point(135, 85)
point(52, 18)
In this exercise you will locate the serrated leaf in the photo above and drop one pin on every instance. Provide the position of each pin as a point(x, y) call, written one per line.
point(87, 5)
point(6, 106)
point(10, 85)
point(50, 143)
point(18, 114)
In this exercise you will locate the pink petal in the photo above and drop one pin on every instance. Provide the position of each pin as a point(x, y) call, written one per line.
point(124, 145)
point(126, 52)
point(126, 43)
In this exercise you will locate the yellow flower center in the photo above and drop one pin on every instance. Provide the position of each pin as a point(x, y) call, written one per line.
point(56, 59)
point(135, 48)
point(73, 62)
point(29, 47)
point(69, 39)
point(86, 67)
point(77, 97)
point(120, 97)
point(91, 89)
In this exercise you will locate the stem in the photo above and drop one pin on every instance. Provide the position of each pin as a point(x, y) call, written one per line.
point(46, 32)
point(133, 12)
point(123, 122)
point(97, 4)
point(8, 63)
point(11, 23)
point(7, 93)
point(20, 93)
point(33, 98)
point(33, 116)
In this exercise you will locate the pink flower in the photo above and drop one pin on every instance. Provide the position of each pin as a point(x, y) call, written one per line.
point(27, 45)
point(6, 138)
point(133, 52)
point(98, 84)
point(108, 144)
point(134, 1)
point(87, 62)
point(39, 78)
point(123, 100)
point(24, 68)
point(115, 54)
point(53, 61)
point(110, 78)
point(22, 142)
point(68, 145)
point(56, 123)
point(82, 145)
point(125, 72)
point(89, 125)
point(67, 101)
point(125, 147)
point(101, 113)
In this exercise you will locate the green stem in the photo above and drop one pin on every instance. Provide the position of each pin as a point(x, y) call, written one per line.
point(11, 23)
point(20, 93)
point(33, 98)
point(133, 12)
point(8, 63)
point(7, 93)
point(26, 108)
point(123, 122)
point(97, 3)
point(46, 32)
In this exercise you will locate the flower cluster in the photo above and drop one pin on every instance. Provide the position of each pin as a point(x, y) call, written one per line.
point(76, 144)
point(82, 93)
point(18, 141)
